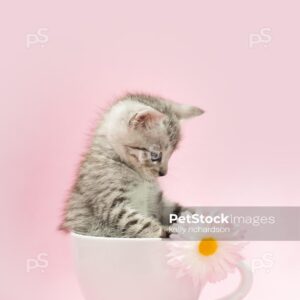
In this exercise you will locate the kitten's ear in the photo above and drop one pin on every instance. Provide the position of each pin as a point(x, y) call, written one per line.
point(183, 111)
point(147, 119)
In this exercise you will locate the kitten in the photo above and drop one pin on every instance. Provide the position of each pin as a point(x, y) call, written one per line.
point(116, 193)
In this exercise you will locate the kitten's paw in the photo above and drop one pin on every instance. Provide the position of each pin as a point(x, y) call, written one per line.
point(189, 210)
point(150, 230)
point(165, 234)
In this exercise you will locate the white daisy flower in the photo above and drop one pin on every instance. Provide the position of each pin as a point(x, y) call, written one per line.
point(204, 256)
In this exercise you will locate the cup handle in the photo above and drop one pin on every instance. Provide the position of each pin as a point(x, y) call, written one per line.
point(244, 286)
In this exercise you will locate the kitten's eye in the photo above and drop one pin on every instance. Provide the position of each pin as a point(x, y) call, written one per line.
point(155, 156)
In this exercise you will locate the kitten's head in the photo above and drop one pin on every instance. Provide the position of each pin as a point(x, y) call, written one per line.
point(145, 137)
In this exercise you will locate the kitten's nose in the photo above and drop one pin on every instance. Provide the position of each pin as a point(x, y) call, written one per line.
point(162, 173)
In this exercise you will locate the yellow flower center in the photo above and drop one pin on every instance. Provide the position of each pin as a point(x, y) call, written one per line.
point(207, 246)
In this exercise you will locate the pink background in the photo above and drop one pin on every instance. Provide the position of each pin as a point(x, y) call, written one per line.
point(243, 151)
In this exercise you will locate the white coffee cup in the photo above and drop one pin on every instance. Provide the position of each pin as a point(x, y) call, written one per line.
point(135, 269)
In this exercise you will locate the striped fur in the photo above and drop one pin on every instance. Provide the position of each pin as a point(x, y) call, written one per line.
point(116, 193)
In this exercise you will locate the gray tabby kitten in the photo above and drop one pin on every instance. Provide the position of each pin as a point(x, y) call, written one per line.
point(116, 193)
